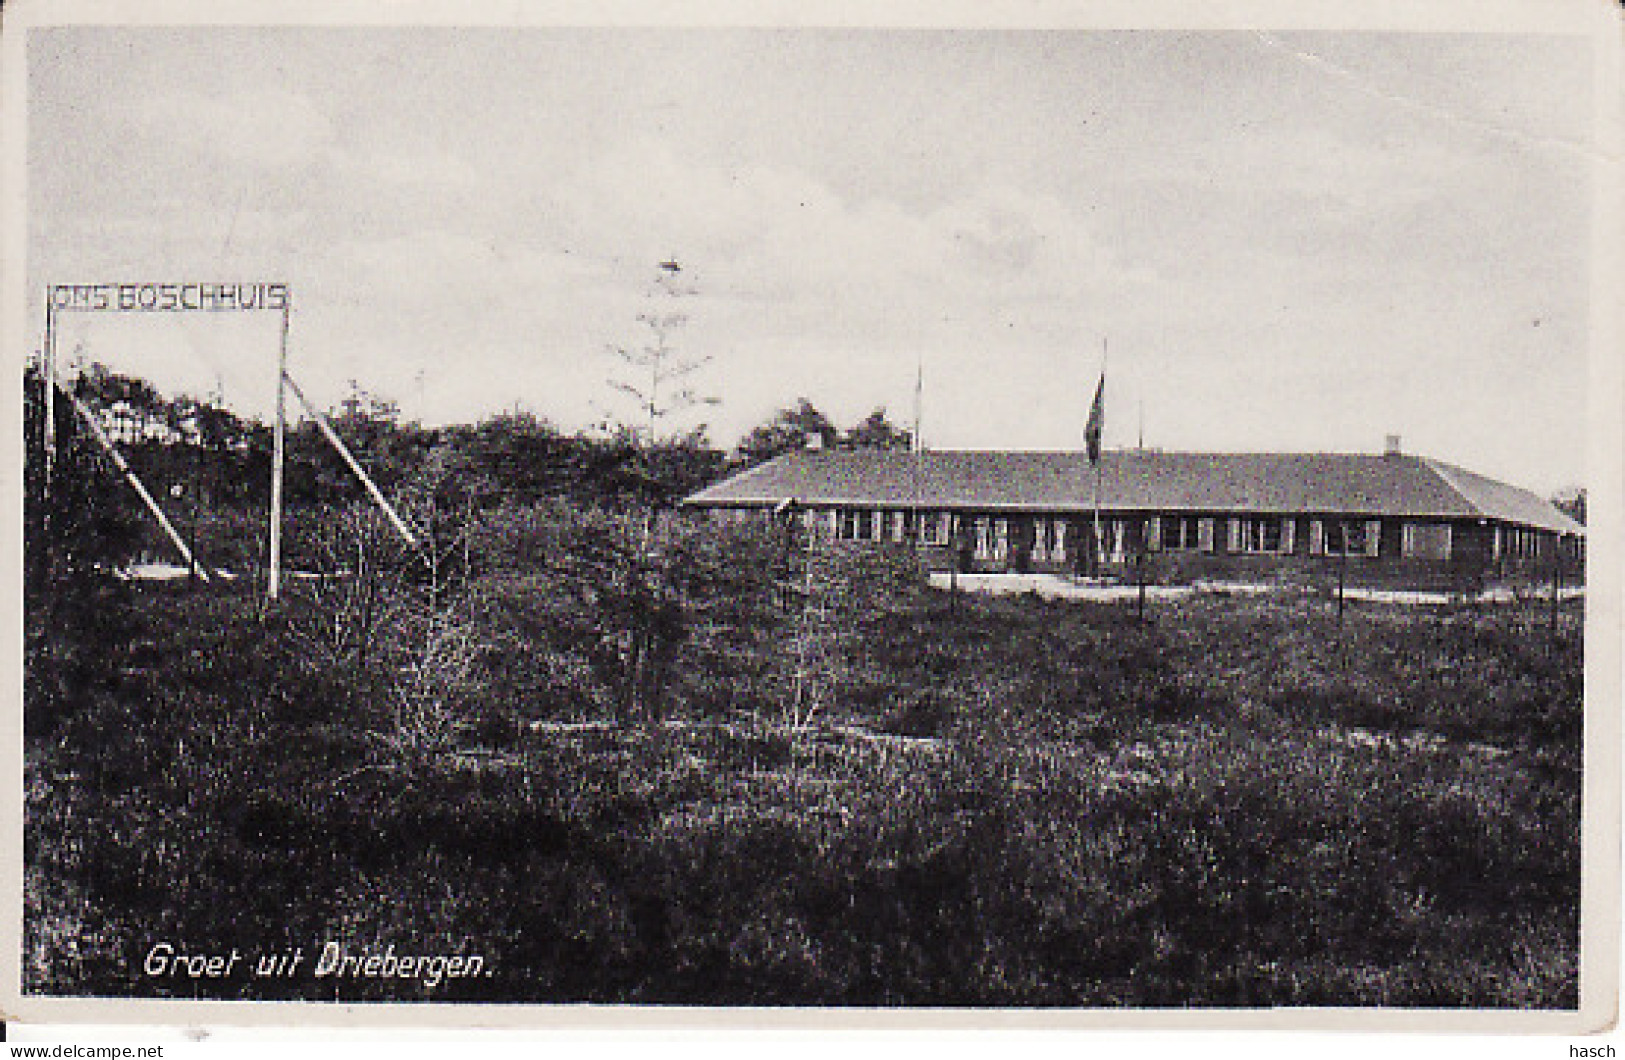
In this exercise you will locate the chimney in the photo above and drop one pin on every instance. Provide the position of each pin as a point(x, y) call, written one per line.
point(814, 440)
point(1391, 446)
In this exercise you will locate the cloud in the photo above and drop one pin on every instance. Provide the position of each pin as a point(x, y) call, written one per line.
point(449, 270)
point(780, 236)
point(266, 130)
point(426, 170)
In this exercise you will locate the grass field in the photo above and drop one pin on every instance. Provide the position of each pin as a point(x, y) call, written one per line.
point(999, 801)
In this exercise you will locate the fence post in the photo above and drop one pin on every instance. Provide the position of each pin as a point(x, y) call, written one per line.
point(1557, 582)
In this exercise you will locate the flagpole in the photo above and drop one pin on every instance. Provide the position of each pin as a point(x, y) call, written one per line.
point(919, 448)
point(1100, 546)
point(1100, 455)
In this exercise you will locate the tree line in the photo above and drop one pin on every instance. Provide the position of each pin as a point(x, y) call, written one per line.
point(205, 462)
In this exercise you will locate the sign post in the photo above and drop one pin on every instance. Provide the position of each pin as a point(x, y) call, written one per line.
point(48, 357)
point(170, 298)
point(273, 581)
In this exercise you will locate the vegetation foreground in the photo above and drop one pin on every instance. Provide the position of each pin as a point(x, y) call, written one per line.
point(914, 800)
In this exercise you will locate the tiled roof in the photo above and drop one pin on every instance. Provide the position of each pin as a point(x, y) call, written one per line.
point(1498, 500)
point(1134, 480)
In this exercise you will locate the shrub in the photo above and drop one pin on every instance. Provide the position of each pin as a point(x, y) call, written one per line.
point(1015, 802)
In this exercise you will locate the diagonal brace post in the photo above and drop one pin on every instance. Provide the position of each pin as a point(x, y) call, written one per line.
point(135, 483)
point(366, 480)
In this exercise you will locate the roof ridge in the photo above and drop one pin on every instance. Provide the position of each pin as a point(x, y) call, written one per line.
point(1462, 481)
point(755, 471)
point(1434, 466)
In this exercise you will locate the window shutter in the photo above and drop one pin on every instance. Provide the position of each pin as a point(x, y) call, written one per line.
point(1289, 529)
point(1204, 535)
point(1373, 536)
point(1317, 538)
point(1060, 540)
point(1153, 534)
point(1234, 542)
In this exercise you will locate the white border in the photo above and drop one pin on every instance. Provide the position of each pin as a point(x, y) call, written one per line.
point(1597, 19)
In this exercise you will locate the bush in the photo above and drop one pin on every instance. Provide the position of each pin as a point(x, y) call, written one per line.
point(1001, 802)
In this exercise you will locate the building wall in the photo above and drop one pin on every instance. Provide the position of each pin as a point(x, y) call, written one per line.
point(1474, 558)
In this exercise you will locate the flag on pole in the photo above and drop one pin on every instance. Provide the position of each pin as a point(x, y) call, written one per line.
point(1097, 421)
point(919, 399)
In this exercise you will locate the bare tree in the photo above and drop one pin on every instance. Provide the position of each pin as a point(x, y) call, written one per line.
point(654, 375)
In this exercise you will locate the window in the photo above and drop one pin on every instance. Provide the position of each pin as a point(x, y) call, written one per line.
point(1344, 539)
point(937, 527)
point(1352, 537)
point(992, 538)
point(1524, 543)
point(1183, 533)
point(860, 524)
point(1425, 540)
point(1266, 534)
point(818, 523)
point(899, 526)
point(1049, 540)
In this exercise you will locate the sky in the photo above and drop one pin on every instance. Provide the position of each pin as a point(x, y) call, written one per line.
point(1271, 241)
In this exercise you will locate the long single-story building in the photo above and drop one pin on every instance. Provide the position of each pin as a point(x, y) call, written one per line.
point(1390, 519)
